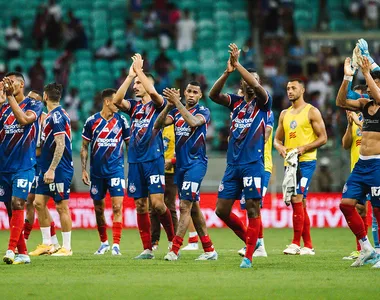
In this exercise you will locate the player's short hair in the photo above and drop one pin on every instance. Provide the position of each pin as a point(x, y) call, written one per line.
point(251, 70)
point(300, 81)
point(375, 74)
point(36, 92)
point(106, 93)
point(194, 83)
point(150, 75)
point(361, 87)
point(16, 74)
point(53, 91)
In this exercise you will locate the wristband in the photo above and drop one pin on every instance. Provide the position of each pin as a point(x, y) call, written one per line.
point(374, 67)
point(348, 78)
point(173, 160)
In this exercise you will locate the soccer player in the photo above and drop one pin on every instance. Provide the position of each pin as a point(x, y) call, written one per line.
point(300, 126)
point(190, 123)
point(364, 178)
point(30, 214)
point(105, 132)
point(245, 163)
point(268, 165)
point(18, 124)
point(56, 171)
point(170, 186)
point(146, 173)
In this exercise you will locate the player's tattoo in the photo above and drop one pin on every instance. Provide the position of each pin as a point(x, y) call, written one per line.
point(84, 154)
point(58, 152)
point(160, 121)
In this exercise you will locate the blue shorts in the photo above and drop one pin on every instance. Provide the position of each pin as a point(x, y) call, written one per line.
point(59, 190)
point(146, 178)
point(189, 181)
point(115, 185)
point(35, 181)
point(307, 169)
point(16, 184)
point(267, 175)
point(364, 179)
point(247, 177)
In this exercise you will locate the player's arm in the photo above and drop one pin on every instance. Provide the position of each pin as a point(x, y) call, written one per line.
point(23, 118)
point(366, 69)
point(163, 119)
point(83, 159)
point(118, 99)
point(268, 131)
point(341, 98)
point(147, 84)
point(3, 96)
point(279, 137)
point(347, 137)
point(58, 152)
point(215, 93)
point(261, 94)
point(173, 97)
point(319, 129)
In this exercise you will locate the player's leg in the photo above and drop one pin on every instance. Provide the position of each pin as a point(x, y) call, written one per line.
point(184, 220)
point(230, 190)
point(155, 226)
point(170, 196)
point(154, 173)
point(375, 232)
point(29, 217)
point(138, 189)
point(201, 228)
point(376, 213)
point(102, 226)
point(20, 185)
point(117, 226)
point(192, 242)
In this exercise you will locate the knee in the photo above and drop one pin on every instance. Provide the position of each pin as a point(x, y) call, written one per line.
point(116, 209)
point(184, 209)
point(62, 209)
point(99, 210)
point(221, 213)
point(142, 207)
point(38, 205)
point(17, 203)
point(361, 210)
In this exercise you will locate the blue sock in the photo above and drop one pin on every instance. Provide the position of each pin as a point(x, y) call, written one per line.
point(375, 231)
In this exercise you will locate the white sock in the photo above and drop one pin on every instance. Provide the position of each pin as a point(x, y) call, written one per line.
point(365, 244)
point(116, 245)
point(192, 234)
point(46, 235)
point(104, 243)
point(54, 240)
point(66, 237)
point(262, 242)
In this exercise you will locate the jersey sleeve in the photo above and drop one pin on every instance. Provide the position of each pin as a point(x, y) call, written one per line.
point(125, 128)
point(132, 105)
point(59, 123)
point(172, 113)
point(270, 122)
point(233, 100)
point(161, 107)
point(205, 113)
point(87, 131)
point(35, 107)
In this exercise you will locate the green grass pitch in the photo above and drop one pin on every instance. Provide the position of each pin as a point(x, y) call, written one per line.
point(86, 276)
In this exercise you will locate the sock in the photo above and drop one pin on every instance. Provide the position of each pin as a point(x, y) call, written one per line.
point(21, 245)
point(207, 244)
point(52, 228)
point(306, 230)
point(143, 223)
point(177, 243)
point(116, 231)
point(27, 229)
point(66, 240)
point(252, 236)
point(261, 233)
point(298, 221)
point(233, 222)
point(358, 248)
point(354, 220)
point(54, 240)
point(102, 229)
point(17, 223)
point(375, 232)
point(262, 242)
point(46, 235)
point(193, 237)
point(167, 223)
point(365, 221)
point(365, 244)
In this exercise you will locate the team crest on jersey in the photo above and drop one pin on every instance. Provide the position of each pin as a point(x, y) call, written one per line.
point(94, 190)
point(106, 129)
point(250, 109)
point(148, 109)
point(56, 117)
point(132, 188)
point(358, 132)
point(221, 187)
point(2, 191)
point(115, 129)
point(293, 124)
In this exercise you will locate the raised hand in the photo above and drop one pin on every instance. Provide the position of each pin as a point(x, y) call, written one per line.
point(132, 72)
point(230, 68)
point(172, 95)
point(348, 70)
point(234, 54)
point(365, 65)
point(137, 62)
point(3, 97)
point(8, 86)
point(349, 116)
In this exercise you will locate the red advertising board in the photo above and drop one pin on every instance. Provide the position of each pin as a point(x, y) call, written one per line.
point(323, 209)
